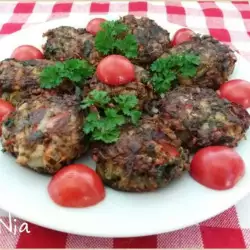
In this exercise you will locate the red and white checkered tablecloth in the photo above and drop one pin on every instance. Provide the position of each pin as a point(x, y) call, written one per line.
point(227, 21)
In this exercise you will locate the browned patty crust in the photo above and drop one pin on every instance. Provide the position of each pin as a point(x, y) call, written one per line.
point(200, 118)
point(217, 61)
point(140, 160)
point(143, 91)
point(45, 132)
point(152, 39)
point(66, 42)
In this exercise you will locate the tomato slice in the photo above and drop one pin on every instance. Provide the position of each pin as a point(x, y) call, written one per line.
point(182, 35)
point(5, 109)
point(217, 167)
point(169, 149)
point(76, 185)
point(94, 25)
point(237, 91)
point(115, 70)
point(27, 52)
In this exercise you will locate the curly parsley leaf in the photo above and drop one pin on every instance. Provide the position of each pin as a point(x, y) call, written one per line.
point(127, 103)
point(162, 82)
point(109, 136)
point(114, 38)
point(50, 76)
point(105, 123)
point(113, 118)
point(96, 97)
point(135, 116)
point(165, 71)
point(74, 70)
point(91, 122)
point(106, 128)
point(189, 65)
point(127, 46)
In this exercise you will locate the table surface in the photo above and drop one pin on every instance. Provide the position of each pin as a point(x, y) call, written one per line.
point(229, 22)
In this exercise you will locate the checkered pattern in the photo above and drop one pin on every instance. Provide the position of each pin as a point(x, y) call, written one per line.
point(226, 21)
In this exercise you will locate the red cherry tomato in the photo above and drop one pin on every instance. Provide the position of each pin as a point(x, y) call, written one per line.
point(217, 167)
point(27, 52)
point(237, 91)
point(94, 25)
point(115, 70)
point(76, 186)
point(182, 35)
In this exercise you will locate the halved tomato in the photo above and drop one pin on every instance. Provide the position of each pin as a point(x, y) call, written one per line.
point(217, 167)
point(94, 25)
point(182, 35)
point(76, 185)
point(115, 70)
point(27, 52)
point(237, 91)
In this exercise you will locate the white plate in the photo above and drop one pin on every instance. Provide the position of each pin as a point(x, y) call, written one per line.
point(183, 203)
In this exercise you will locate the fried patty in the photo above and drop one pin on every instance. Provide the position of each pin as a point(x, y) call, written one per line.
point(152, 39)
point(143, 91)
point(200, 118)
point(45, 132)
point(217, 61)
point(145, 158)
point(66, 42)
point(20, 80)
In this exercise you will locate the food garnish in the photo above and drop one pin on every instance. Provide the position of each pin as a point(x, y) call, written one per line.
point(111, 45)
point(108, 114)
point(115, 70)
point(165, 71)
point(181, 36)
point(74, 70)
point(237, 91)
point(26, 52)
point(5, 109)
point(93, 25)
point(127, 103)
point(113, 38)
point(76, 185)
point(217, 167)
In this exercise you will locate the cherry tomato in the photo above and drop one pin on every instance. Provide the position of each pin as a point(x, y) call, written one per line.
point(76, 185)
point(182, 35)
point(5, 109)
point(237, 91)
point(115, 70)
point(217, 167)
point(94, 25)
point(27, 52)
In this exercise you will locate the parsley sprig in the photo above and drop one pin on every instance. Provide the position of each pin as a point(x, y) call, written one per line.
point(165, 71)
point(114, 38)
point(74, 70)
point(109, 114)
point(127, 103)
